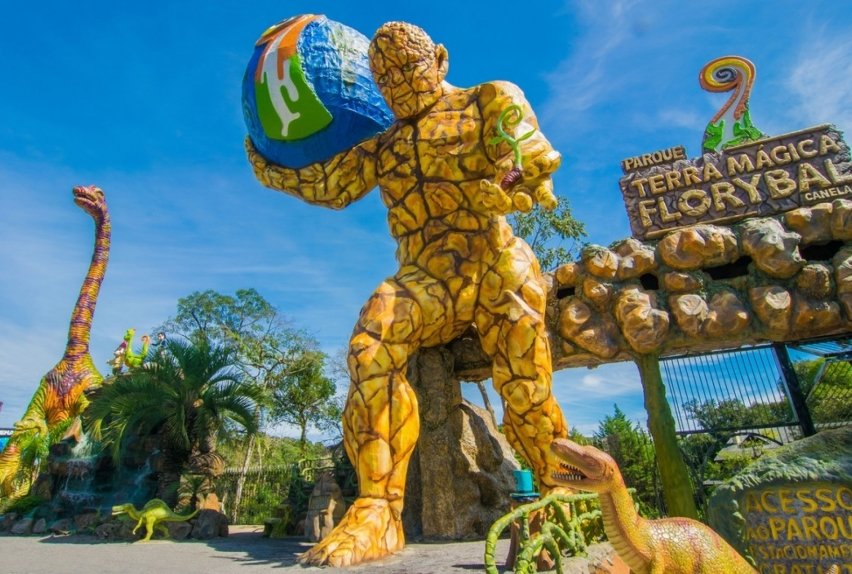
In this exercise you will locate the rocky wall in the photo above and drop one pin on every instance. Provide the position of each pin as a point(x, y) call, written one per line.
point(706, 287)
point(699, 288)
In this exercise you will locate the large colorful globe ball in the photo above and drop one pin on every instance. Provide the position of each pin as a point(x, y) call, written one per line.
point(308, 92)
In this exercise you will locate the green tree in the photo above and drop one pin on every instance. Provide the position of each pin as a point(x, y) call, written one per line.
point(267, 349)
point(632, 449)
point(189, 393)
point(828, 387)
point(306, 397)
point(722, 420)
point(554, 235)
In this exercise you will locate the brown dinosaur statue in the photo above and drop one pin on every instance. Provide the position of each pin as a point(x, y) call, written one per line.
point(59, 398)
point(665, 546)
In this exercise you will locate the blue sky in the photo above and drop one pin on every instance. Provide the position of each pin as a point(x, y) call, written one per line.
point(143, 99)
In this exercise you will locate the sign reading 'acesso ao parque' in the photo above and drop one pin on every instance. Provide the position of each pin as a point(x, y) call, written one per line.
point(664, 190)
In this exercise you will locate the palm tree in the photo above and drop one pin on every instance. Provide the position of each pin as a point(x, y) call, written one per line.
point(189, 394)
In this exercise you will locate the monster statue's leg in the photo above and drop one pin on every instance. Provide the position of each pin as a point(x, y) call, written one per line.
point(510, 321)
point(381, 423)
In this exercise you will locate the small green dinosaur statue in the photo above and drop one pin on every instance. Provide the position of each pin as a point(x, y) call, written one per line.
point(131, 359)
point(154, 511)
point(665, 546)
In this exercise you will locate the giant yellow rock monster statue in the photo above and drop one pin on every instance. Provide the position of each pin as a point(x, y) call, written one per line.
point(439, 168)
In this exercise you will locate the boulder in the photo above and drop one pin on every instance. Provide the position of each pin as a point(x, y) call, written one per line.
point(681, 282)
point(813, 224)
point(460, 474)
point(598, 292)
point(86, 520)
point(40, 526)
point(107, 530)
point(841, 219)
point(635, 259)
point(600, 261)
point(773, 305)
point(22, 527)
point(698, 246)
point(179, 530)
point(843, 270)
point(814, 280)
point(816, 468)
point(643, 327)
point(690, 311)
point(60, 527)
point(814, 316)
point(773, 249)
point(726, 316)
point(591, 331)
point(210, 524)
point(7, 520)
point(566, 275)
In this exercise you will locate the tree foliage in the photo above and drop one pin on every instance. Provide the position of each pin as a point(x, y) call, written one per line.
point(829, 397)
point(633, 450)
point(189, 392)
point(554, 235)
point(306, 397)
point(268, 351)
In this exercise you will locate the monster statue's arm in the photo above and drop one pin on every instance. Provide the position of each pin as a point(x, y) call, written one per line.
point(334, 183)
point(523, 158)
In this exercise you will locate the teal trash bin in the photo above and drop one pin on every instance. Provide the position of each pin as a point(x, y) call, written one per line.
point(523, 481)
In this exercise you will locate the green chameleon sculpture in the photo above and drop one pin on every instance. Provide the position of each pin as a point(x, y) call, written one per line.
point(60, 396)
point(665, 546)
point(154, 511)
point(731, 126)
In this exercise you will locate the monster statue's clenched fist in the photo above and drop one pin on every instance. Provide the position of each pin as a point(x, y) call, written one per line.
point(448, 170)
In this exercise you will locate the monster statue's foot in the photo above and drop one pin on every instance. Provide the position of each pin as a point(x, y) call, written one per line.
point(370, 530)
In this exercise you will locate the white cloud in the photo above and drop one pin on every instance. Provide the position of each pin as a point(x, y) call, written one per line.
point(173, 232)
point(821, 80)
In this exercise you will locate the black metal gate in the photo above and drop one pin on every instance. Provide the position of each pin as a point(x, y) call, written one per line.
point(732, 406)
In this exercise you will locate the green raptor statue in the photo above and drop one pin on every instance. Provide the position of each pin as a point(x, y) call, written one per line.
point(154, 511)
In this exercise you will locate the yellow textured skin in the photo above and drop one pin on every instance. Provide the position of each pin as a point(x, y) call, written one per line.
point(460, 265)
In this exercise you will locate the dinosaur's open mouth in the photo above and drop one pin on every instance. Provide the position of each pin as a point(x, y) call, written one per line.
point(569, 472)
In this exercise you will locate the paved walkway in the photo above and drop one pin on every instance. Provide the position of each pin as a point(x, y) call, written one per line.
point(243, 552)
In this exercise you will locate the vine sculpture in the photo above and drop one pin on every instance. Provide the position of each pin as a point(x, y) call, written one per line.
point(439, 168)
point(59, 398)
point(569, 523)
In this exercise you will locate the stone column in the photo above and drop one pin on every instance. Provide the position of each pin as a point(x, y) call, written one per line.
point(674, 474)
point(460, 474)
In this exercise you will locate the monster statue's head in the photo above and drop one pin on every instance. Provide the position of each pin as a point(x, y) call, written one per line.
point(584, 467)
point(91, 199)
point(129, 334)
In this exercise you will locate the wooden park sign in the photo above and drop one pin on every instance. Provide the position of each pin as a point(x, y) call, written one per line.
point(766, 177)
point(742, 173)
